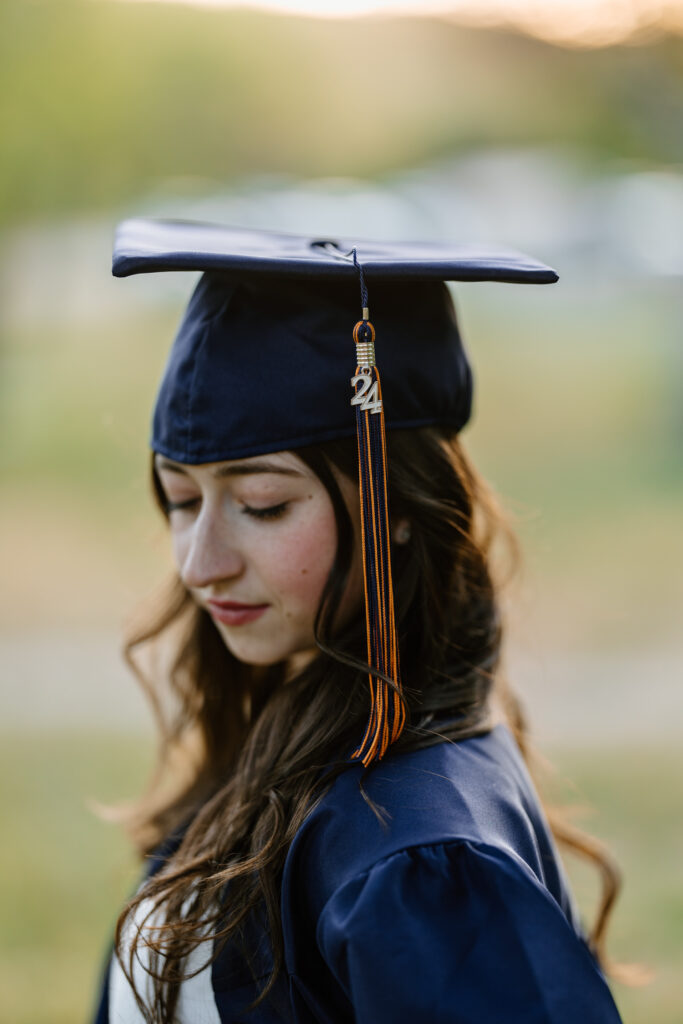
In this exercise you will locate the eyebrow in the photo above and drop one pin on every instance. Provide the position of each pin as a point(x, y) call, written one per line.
point(234, 469)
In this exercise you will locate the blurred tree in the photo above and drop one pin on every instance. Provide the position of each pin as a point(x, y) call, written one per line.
point(101, 101)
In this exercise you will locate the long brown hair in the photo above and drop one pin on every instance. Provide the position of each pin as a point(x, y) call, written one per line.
point(245, 751)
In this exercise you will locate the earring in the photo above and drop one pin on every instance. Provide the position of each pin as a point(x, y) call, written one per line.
point(402, 534)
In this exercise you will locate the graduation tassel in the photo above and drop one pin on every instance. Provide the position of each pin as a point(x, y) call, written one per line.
point(387, 711)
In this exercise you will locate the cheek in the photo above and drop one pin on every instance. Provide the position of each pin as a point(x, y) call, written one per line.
point(299, 567)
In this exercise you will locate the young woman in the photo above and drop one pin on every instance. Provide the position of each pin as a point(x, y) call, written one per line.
point(342, 827)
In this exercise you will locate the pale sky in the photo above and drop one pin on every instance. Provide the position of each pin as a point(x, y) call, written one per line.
point(578, 22)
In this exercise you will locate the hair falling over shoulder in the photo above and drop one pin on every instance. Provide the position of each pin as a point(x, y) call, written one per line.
point(242, 749)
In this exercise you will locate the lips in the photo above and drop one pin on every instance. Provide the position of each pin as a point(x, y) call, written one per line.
point(233, 613)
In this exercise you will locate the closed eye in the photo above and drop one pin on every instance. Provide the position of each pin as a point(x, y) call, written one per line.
point(271, 512)
point(176, 506)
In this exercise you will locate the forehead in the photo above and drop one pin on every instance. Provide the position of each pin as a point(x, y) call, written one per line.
point(284, 463)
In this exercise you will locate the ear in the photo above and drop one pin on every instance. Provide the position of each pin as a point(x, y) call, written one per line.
point(401, 531)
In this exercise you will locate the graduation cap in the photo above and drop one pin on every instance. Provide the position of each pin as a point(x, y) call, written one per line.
point(263, 358)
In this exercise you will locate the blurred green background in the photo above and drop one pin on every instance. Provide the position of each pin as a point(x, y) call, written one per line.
point(421, 127)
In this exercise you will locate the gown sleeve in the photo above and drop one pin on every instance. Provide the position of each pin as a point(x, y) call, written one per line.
point(458, 933)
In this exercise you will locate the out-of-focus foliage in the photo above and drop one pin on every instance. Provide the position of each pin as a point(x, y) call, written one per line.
point(100, 100)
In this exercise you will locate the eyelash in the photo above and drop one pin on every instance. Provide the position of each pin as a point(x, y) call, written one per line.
point(271, 512)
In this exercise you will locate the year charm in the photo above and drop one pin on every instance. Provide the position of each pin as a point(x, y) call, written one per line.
point(367, 397)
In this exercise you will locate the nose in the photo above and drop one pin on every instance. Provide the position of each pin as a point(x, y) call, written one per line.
point(210, 553)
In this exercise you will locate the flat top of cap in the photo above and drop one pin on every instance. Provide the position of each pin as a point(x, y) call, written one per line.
point(144, 246)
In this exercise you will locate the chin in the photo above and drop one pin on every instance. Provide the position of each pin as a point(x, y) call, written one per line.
point(249, 656)
point(254, 653)
point(260, 654)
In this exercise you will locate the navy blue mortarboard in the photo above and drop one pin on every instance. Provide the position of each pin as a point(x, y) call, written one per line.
point(262, 353)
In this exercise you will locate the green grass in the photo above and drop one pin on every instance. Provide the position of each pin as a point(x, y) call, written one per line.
point(64, 873)
point(632, 799)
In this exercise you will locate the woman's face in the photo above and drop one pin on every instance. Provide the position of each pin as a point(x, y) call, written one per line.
point(254, 541)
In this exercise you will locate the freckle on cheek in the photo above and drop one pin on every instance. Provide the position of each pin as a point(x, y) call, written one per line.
point(304, 571)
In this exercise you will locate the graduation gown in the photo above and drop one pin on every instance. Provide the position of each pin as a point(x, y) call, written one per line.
point(455, 911)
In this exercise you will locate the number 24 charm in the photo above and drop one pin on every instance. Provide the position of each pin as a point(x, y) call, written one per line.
point(367, 397)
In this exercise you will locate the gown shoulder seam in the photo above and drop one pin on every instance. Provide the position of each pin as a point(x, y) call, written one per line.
point(451, 842)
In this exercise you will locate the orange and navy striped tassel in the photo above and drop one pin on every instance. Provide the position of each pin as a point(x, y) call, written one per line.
point(387, 713)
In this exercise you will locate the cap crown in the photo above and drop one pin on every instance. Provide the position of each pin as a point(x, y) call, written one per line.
point(263, 364)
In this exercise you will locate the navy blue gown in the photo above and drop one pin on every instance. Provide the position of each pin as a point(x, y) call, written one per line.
point(457, 911)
